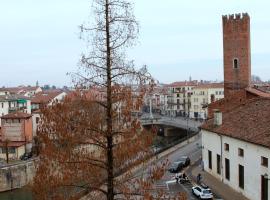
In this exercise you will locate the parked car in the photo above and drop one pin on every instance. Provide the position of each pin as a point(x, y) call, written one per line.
point(202, 192)
point(26, 156)
point(185, 160)
point(176, 167)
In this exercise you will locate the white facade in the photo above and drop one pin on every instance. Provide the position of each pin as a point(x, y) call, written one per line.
point(36, 121)
point(251, 161)
point(201, 97)
point(179, 99)
point(8, 105)
point(60, 97)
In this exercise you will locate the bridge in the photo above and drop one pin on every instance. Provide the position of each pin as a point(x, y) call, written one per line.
point(176, 122)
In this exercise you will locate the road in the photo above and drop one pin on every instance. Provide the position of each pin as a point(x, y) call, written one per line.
point(192, 150)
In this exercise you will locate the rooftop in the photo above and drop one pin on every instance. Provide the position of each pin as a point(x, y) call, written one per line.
point(249, 122)
point(209, 85)
point(45, 96)
point(17, 115)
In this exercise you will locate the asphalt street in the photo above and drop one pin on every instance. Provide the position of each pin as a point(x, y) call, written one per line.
point(166, 183)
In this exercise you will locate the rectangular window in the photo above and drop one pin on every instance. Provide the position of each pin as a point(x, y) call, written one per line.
point(227, 169)
point(2, 105)
point(240, 152)
point(218, 164)
point(241, 176)
point(264, 161)
point(226, 147)
point(209, 159)
point(178, 95)
point(11, 150)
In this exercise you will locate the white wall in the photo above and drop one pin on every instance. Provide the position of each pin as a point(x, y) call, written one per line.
point(251, 162)
point(35, 125)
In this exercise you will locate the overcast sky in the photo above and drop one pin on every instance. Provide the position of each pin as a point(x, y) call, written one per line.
point(40, 39)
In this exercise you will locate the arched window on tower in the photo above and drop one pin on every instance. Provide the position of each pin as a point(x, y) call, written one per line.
point(235, 63)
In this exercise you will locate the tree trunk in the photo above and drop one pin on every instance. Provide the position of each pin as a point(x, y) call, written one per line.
point(7, 155)
point(110, 192)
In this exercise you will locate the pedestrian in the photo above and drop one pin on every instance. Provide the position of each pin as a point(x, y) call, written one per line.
point(199, 177)
point(177, 177)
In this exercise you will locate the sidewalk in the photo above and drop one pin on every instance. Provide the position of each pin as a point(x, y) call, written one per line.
point(219, 188)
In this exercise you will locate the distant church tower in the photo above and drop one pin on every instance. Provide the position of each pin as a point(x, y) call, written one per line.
point(236, 52)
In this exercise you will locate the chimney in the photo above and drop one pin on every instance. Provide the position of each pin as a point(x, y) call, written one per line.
point(217, 117)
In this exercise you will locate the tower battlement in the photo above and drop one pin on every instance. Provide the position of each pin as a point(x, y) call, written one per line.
point(235, 17)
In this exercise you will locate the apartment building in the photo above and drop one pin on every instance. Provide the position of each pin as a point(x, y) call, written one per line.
point(202, 95)
point(179, 98)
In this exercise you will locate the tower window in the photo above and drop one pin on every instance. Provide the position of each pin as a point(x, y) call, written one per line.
point(235, 63)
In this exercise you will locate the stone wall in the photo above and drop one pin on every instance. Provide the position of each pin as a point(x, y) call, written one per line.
point(16, 176)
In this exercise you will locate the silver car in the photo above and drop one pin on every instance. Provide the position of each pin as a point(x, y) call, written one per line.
point(202, 192)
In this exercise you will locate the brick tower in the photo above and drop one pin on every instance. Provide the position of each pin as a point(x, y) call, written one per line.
point(236, 52)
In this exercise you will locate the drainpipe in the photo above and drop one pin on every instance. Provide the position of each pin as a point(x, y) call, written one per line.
point(221, 157)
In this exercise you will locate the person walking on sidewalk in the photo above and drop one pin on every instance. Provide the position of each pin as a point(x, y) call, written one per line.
point(199, 178)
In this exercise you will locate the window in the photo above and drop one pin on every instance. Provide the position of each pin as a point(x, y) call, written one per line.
point(227, 169)
point(264, 161)
point(241, 176)
point(240, 152)
point(216, 92)
point(2, 105)
point(226, 147)
point(209, 159)
point(218, 164)
point(178, 95)
point(235, 63)
point(11, 150)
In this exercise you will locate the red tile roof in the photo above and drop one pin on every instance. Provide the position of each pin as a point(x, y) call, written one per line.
point(17, 115)
point(12, 144)
point(45, 97)
point(183, 83)
point(210, 85)
point(258, 92)
point(249, 122)
point(19, 89)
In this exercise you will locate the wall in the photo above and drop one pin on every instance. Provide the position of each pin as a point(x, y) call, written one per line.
point(28, 129)
point(251, 162)
point(35, 125)
point(19, 151)
point(16, 176)
point(13, 131)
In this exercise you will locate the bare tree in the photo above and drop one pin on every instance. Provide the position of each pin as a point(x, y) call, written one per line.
point(92, 137)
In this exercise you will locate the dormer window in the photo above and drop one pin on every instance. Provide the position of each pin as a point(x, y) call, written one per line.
point(235, 63)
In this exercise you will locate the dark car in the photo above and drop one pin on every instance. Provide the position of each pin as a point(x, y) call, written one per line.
point(176, 167)
point(26, 156)
point(185, 160)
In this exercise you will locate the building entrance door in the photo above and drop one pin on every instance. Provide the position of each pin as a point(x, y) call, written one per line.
point(264, 188)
